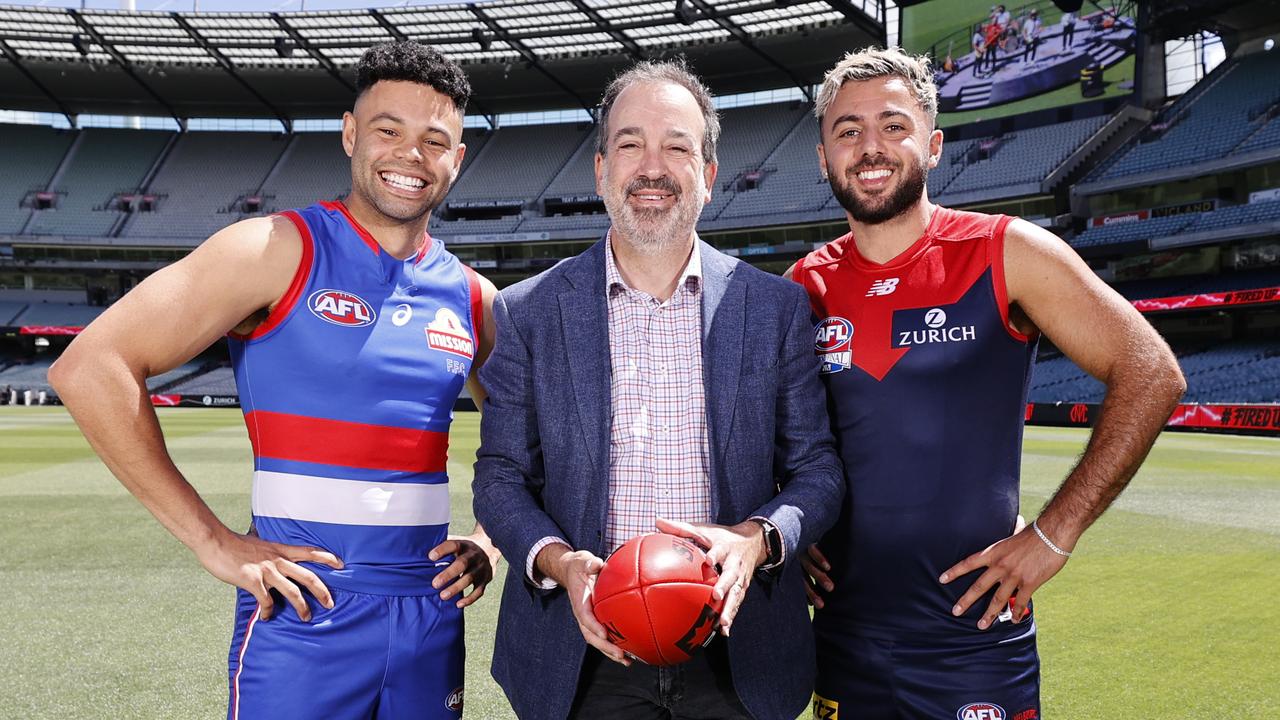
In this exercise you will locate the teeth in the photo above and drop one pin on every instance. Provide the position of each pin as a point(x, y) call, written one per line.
point(874, 174)
point(403, 181)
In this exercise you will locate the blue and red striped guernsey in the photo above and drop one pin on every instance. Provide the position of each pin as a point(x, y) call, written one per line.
point(348, 390)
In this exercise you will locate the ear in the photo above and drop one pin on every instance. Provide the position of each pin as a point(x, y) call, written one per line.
point(599, 174)
point(458, 155)
point(822, 162)
point(348, 133)
point(709, 172)
point(935, 148)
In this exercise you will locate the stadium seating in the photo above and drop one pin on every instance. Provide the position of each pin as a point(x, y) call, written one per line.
point(1243, 91)
point(220, 381)
point(104, 163)
point(1232, 372)
point(495, 173)
point(57, 314)
point(312, 168)
point(578, 176)
point(10, 309)
point(31, 375)
point(197, 188)
point(30, 155)
point(1223, 217)
point(1025, 156)
point(749, 137)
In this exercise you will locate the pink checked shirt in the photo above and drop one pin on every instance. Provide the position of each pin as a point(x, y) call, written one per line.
point(658, 445)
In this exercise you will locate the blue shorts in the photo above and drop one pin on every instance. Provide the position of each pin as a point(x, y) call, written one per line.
point(861, 678)
point(371, 657)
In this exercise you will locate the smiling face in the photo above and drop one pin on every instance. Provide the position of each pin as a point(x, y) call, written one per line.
point(877, 148)
point(405, 144)
point(652, 175)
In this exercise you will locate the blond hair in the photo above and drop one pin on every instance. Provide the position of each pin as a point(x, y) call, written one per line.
point(876, 63)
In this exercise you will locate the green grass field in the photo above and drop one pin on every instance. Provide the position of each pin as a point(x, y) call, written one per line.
point(1168, 611)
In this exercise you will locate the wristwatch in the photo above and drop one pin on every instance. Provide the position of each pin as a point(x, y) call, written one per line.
point(772, 543)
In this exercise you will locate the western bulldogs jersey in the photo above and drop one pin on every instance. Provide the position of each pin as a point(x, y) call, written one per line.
point(348, 390)
point(927, 385)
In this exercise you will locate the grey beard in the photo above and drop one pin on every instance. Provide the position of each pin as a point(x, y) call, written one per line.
point(652, 234)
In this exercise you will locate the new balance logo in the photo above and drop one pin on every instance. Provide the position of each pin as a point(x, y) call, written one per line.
point(883, 287)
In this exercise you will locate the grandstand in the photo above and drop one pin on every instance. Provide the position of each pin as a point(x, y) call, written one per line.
point(1166, 197)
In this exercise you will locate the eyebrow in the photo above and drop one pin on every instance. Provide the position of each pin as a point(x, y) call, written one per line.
point(385, 115)
point(884, 115)
point(635, 130)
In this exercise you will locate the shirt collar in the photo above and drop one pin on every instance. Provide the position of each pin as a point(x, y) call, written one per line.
point(690, 277)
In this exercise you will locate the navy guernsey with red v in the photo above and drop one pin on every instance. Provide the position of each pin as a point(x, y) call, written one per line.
point(927, 386)
point(348, 390)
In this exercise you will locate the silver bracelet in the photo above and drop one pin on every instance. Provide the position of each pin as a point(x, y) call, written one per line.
point(1035, 526)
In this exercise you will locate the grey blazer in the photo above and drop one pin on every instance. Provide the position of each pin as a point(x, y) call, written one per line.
point(543, 465)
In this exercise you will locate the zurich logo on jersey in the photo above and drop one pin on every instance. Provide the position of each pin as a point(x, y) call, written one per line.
point(980, 711)
point(831, 341)
point(341, 308)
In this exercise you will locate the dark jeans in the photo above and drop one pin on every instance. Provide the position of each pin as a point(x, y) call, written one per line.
point(700, 689)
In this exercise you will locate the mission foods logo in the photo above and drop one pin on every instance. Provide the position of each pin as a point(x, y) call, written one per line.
point(446, 334)
point(831, 342)
point(341, 308)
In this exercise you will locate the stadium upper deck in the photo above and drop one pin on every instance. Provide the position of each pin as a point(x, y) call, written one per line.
point(519, 54)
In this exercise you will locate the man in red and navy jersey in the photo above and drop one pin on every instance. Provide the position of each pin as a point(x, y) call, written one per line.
point(927, 324)
point(351, 334)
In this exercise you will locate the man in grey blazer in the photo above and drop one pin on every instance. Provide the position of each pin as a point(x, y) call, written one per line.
point(653, 382)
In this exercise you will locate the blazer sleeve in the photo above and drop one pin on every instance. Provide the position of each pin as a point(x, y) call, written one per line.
point(509, 471)
point(806, 466)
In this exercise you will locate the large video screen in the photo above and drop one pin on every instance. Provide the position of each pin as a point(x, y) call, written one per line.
point(992, 60)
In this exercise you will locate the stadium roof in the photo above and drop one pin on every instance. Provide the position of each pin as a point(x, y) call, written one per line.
point(520, 54)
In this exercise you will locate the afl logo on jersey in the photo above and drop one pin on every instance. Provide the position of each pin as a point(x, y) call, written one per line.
point(341, 308)
point(447, 334)
point(454, 700)
point(980, 711)
point(831, 341)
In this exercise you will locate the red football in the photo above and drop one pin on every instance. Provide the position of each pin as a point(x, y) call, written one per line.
point(653, 596)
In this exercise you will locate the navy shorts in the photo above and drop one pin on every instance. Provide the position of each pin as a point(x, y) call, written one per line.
point(371, 657)
point(861, 678)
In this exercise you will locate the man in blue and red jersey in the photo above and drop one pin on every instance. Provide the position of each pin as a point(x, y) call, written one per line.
point(352, 334)
point(928, 320)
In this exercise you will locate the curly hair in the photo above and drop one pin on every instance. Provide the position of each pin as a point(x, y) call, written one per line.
point(413, 62)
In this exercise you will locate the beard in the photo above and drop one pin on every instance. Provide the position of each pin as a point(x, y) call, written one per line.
point(881, 208)
point(650, 231)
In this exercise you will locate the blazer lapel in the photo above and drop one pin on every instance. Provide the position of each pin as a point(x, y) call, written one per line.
point(584, 318)
point(723, 332)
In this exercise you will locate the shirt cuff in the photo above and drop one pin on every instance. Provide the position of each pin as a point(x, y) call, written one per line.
point(531, 574)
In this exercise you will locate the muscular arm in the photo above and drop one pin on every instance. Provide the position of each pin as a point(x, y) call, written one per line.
point(1103, 334)
point(1052, 290)
point(164, 322)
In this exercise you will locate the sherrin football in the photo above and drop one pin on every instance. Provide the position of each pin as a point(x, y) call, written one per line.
point(653, 597)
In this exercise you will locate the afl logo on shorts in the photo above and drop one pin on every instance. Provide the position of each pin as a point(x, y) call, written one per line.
point(341, 308)
point(447, 334)
point(831, 340)
point(980, 711)
point(454, 700)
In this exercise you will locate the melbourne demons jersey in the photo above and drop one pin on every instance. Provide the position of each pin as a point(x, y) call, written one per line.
point(927, 389)
point(348, 390)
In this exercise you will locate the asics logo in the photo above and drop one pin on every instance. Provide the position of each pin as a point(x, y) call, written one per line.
point(883, 287)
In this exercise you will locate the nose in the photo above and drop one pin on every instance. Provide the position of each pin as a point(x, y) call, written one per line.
point(871, 143)
point(652, 164)
point(409, 152)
